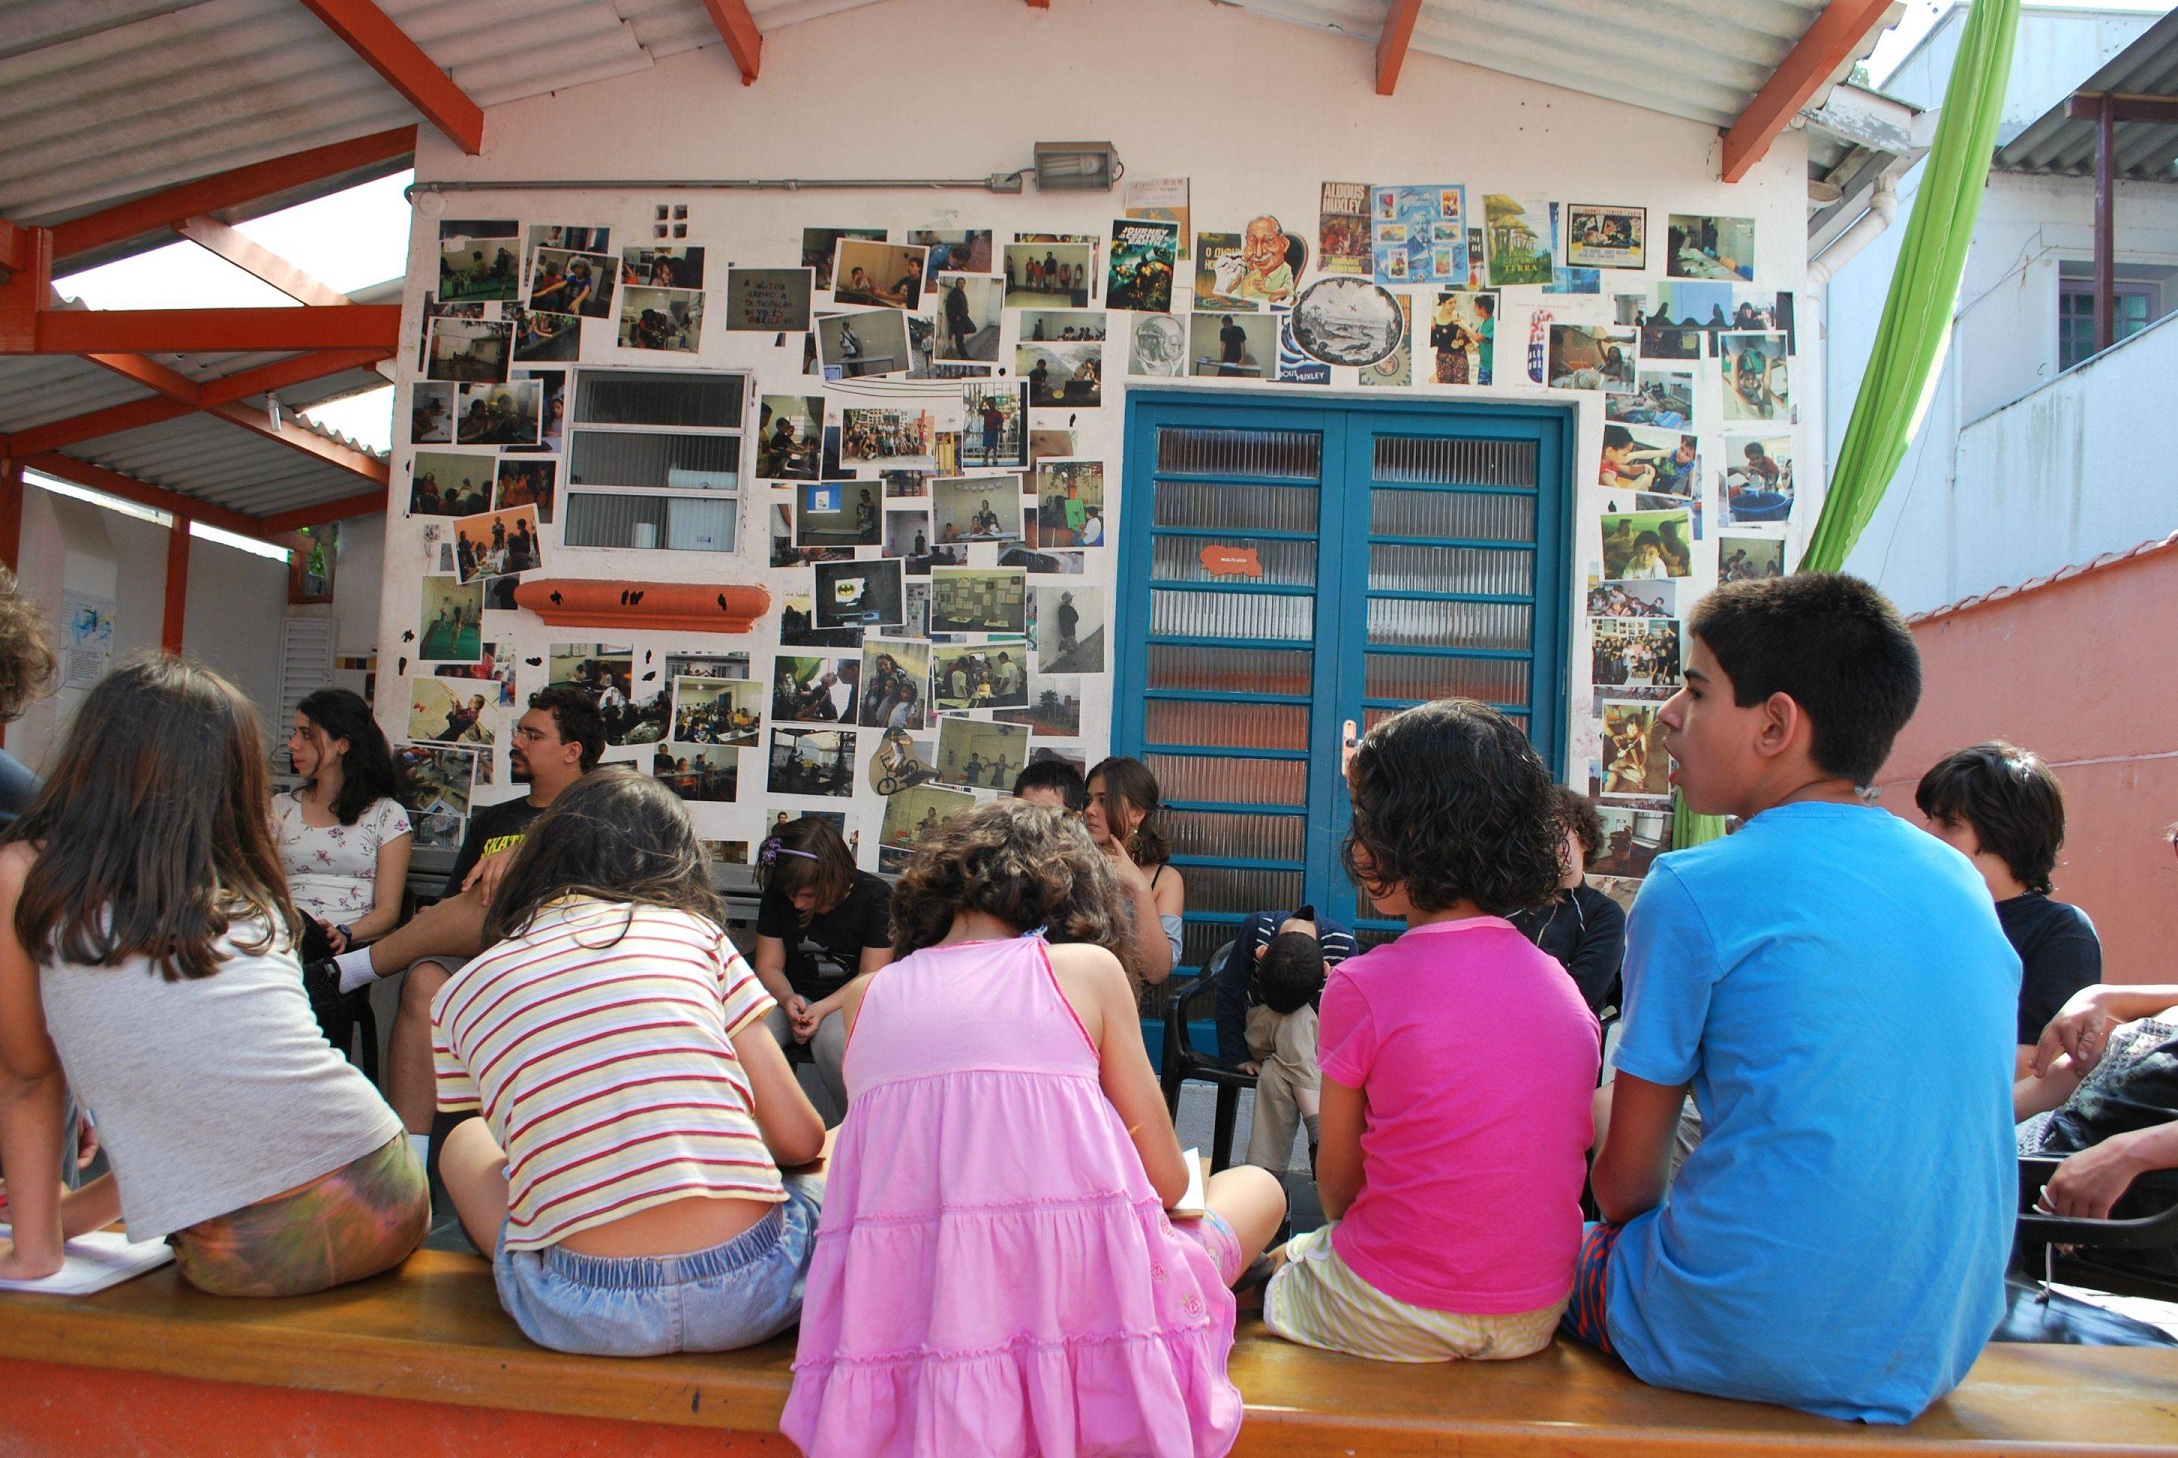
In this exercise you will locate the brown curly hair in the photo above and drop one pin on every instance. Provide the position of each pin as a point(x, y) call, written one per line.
point(1577, 813)
point(1027, 865)
point(27, 663)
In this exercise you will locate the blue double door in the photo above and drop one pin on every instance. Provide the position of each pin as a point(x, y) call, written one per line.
point(1286, 568)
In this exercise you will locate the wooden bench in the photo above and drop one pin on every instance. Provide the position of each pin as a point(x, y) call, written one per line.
point(424, 1362)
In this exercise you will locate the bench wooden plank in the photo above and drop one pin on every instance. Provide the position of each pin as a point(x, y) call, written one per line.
point(433, 1332)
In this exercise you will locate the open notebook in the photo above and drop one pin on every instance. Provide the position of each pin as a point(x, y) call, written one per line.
point(95, 1261)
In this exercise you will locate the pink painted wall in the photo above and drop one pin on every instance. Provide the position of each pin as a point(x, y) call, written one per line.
point(2084, 671)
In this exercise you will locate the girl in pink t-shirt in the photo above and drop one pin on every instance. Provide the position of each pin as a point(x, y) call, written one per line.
point(1458, 1064)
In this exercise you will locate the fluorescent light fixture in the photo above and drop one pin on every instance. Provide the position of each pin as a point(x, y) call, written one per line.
point(239, 542)
point(97, 498)
point(1076, 166)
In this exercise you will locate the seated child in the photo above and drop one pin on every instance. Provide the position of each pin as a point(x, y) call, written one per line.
point(1053, 783)
point(1580, 927)
point(1834, 987)
point(2000, 807)
point(625, 1175)
point(996, 1273)
point(147, 944)
point(1268, 986)
point(1457, 1064)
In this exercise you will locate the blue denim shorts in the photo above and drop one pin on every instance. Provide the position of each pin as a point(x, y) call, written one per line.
point(732, 1295)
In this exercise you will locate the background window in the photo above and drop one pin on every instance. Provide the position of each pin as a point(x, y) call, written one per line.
point(2136, 309)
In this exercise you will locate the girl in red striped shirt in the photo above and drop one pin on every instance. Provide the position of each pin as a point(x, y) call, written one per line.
point(636, 1114)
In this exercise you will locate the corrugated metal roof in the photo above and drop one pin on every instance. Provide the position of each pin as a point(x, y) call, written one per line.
point(2065, 145)
point(212, 460)
point(1701, 61)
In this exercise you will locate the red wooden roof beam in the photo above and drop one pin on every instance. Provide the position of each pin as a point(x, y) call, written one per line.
point(738, 28)
point(371, 34)
point(1391, 46)
point(202, 331)
point(117, 418)
point(1828, 44)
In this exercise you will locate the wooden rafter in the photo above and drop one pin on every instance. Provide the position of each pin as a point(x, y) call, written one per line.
point(116, 418)
point(738, 29)
point(1828, 44)
point(371, 34)
point(1391, 46)
point(198, 331)
point(302, 438)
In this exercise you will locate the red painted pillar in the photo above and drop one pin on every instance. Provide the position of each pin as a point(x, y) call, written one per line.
point(11, 514)
point(177, 584)
point(2105, 224)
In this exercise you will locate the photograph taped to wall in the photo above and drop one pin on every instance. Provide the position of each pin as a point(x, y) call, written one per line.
point(1219, 263)
point(798, 624)
point(498, 544)
point(595, 668)
point(1757, 480)
point(789, 431)
point(716, 710)
point(820, 244)
point(953, 250)
point(579, 284)
point(469, 349)
point(661, 267)
point(552, 410)
point(541, 338)
point(994, 676)
point(1640, 545)
point(1296, 366)
point(430, 413)
point(1064, 362)
point(1641, 458)
point(1704, 246)
point(494, 668)
point(814, 690)
point(479, 258)
point(878, 275)
point(1602, 236)
point(855, 346)
point(976, 509)
point(1342, 228)
point(698, 773)
point(1659, 398)
point(1069, 629)
point(905, 485)
point(1157, 347)
point(448, 712)
point(913, 814)
point(812, 762)
point(1419, 233)
point(1748, 559)
point(527, 483)
point(661, 319)
point(1049, 275)
point(980, 755)
point(502, 414)
point(706, 665)
point(1463, 336)
point(1348, 321)
point(1233, 346)
point(894, 673)
point(1757, 377)
point(907, 536)
point(836, 514)
point(570, 238)
point(1070, 503)
point(1054, 707)
point(1632, 751)
point(978, 600)
point(885, 436)
point(995, 428)
point(1635, 652)
point(435, 308)
point(727, 852)
point(1162, 200)
point(968, 308)
point(858, 594)
point(1632, 840)
point(1516, 234)
point(450, 622)
point(437, 796)
point(1395, 370)
point(769, 300)
point(1763, 311)
point(450, 483)
point(902, 763)
point(1591, 357)
point(1632, 599)
point(1565, 280)
point(1144, 255)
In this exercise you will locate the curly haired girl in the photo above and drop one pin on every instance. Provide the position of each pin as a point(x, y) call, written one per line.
point(1458, 1063)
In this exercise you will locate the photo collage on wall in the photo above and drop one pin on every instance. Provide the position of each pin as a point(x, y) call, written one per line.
point(927, 473)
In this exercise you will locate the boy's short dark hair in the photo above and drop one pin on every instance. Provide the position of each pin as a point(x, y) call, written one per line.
point(1054, 774)
point(1291, 972)
point(1832, 643)
point(574, 714)
point(2009, 797)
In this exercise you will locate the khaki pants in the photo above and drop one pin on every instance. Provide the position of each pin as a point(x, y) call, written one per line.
point(1284, 1045)
point(828, 1049)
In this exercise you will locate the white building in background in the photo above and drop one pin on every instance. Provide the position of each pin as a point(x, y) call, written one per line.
point(2033, 455)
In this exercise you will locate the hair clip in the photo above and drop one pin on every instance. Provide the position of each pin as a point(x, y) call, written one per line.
point(772, 850)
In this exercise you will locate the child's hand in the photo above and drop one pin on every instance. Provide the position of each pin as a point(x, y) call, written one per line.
point(1350, 741)
point(1130, 875)
point(1251, 1068)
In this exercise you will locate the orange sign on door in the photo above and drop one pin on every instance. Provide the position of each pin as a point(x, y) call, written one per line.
point(1231, 562)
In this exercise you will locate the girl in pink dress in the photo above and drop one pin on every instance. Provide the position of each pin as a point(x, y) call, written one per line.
point(995, 1271)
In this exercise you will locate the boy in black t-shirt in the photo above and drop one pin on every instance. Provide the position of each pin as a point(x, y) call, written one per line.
point(2001, 807)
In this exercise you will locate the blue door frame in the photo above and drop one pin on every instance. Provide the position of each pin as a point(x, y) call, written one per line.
point(1349, 429)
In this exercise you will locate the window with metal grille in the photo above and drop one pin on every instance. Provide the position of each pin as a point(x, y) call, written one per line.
point(2136, 308)
point(654, 460)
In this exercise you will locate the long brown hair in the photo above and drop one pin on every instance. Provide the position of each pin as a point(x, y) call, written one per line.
point(153, 834)
point(806, 854)
point(1129, 783)
point(614, 835)
point(1028, 865)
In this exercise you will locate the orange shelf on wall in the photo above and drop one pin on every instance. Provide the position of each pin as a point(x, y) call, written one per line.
point(684, 607)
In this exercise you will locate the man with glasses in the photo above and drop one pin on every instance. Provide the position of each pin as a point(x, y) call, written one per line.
point(556, 743)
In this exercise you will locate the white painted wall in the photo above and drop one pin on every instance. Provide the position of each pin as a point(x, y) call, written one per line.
point(2057, 46)
point(1257, 113)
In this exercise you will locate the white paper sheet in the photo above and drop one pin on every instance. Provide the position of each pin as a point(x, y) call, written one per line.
point(93, 1262)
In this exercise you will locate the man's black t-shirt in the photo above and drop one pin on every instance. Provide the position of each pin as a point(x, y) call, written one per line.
point(1586, 933)
point(496, 828)
point(2059, 954)
point(863, 918)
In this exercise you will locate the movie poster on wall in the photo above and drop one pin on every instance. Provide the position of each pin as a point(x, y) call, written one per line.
point(1342, 228)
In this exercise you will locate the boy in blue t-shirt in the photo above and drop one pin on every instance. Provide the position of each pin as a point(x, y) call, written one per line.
point(1833, 986)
